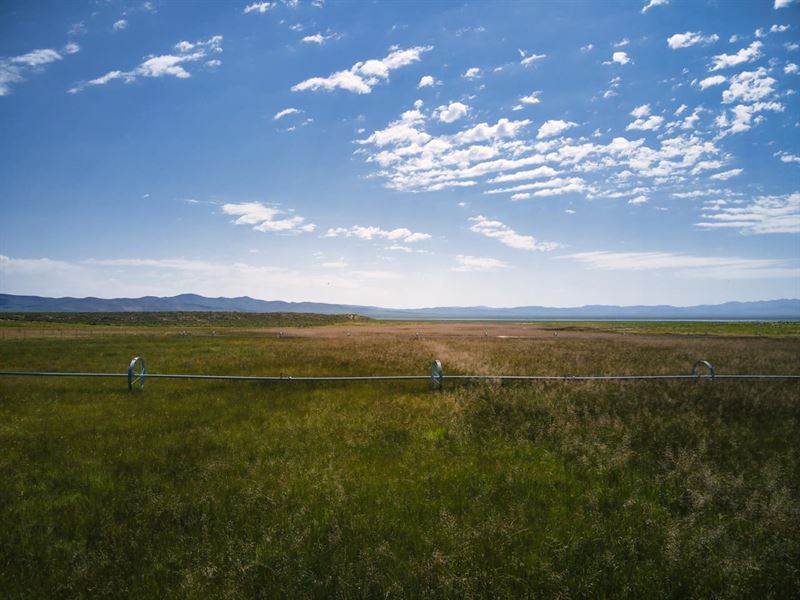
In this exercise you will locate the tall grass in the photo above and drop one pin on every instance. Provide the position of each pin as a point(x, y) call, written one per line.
point(639, 489)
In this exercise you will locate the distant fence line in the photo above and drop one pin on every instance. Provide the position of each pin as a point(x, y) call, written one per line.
point(137, 374)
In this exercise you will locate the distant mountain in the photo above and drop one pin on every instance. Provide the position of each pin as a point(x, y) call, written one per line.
point(763, 310)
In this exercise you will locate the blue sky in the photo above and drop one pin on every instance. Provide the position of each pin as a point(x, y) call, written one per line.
point(402, 154)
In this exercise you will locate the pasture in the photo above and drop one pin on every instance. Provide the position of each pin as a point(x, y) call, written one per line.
point(387, 489)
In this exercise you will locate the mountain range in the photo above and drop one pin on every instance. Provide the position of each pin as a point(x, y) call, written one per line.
point(760, 310)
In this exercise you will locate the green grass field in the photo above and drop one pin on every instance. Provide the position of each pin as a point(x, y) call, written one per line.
point(239, 489)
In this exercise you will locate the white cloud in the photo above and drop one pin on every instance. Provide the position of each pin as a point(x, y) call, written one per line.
point(690, 38)
point(13, 70)
point(507, 236)
point(265, 218)
point(555, 187)
point(766, 214)
point(787, 157)
point(477, 263)
point(529, 59)
point(749, 54)
point(779, 28)
point(285, 113)
point(258, 7)
point(8, 76)
point(557, 182)
point(532, 98)
point(37, 58)
point(363, 76)
point(707, 267)
point(553, 127)
point(644, 121)
point(725, 175)
point(134, 277)
point(403, 131)
point(451, 112)
point(426, 81)
point(651, 123)
point(622, 43)
point(161, 66)
point(472, 73)
point(525, 175)
point(743, 116)
point(72, 48)
point(790, 68)
point(749, 86)
point(319, 38)
point(690, 121)
point(653, 3)
point(587, 48)
point(712, 81)
point(120, 25)
point(641, 199)
point(401, 234)
point(782, 3)
point(621, 58)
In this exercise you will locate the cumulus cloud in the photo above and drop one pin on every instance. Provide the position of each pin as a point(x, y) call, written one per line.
point(766, 214)
point(173, 65)
point(401, 234)
point(690, 38)
point(426, 81)
point(467, 263)
point(363, 76)
point(782, 3)
point(644, 120)
point(532, 98)
point(745, 55)
point(620, 58)
point(507, 236)
point(268, 219)
point(742, 117)
point(452, 112)
point(120, 25)
point(791, 68)
point(712, 81)
point(472, 73)
point(749, 86)
point(554, 127)
point(641, 199)
point(71, 48)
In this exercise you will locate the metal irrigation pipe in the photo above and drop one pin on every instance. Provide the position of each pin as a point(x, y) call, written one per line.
point(137, 374)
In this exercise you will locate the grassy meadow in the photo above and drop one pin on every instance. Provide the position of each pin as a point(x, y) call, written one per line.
point(387, 489)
